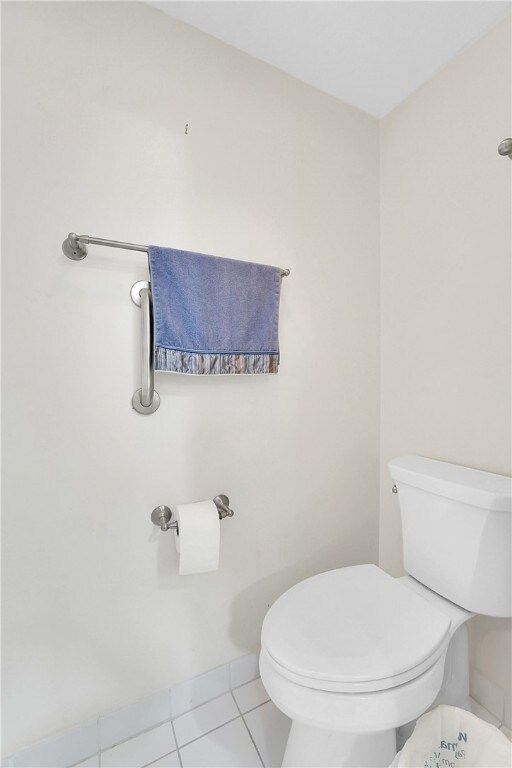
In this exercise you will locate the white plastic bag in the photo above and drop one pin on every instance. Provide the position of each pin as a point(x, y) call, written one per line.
point(447, 737)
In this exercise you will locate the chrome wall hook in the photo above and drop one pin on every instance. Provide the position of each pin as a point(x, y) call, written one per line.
point(162, 515)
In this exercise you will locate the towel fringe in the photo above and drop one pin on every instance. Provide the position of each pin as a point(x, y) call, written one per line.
point(177, 361)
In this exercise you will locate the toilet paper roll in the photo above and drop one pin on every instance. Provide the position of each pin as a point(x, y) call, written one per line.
point(198, 537)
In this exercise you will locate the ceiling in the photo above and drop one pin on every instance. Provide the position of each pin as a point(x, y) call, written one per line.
point(369, 53)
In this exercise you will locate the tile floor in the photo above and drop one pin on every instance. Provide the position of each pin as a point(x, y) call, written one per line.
point(239, 729)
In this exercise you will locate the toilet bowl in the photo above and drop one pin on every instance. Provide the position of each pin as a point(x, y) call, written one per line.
point(352, 654)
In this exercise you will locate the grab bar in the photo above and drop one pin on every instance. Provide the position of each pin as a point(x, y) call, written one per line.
point(146, 400)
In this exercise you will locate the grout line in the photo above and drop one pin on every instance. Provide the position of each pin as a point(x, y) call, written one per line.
point(206, 701)
point(176, 742)
point(161, 722)
point(83, 759)
point(248, 730)
point(148, 765)
point(185, 744)
point(256, 707)
point(230, 689)
point(112, 712)
point(138, 733)
point(161, 691)
point(171, 721)
point(233, 661)
point(206, 733)
point(236, 687)
point(253, 708)
point(203, 703)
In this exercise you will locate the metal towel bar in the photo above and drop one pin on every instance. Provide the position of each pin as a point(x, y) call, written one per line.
point(75, 247)
point(146, 400)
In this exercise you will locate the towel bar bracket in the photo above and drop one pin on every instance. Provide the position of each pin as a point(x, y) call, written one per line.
point(138, 406)
point(136, 289)
point(73, 248)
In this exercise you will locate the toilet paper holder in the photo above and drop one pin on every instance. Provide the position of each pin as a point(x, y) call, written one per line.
point(162, 515)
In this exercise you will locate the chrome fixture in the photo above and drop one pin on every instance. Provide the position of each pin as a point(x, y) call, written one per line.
point(145, 400)
point(75, 247)
point(505, 148)
point(394, 489)
point(162, 515)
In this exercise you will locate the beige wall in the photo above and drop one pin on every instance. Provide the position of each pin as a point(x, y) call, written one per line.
point(96, 97)
point(445, 298)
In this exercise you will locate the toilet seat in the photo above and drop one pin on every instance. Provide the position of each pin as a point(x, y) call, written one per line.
point(354, 629)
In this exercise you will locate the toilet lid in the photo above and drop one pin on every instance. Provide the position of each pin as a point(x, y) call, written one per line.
point(353, 626)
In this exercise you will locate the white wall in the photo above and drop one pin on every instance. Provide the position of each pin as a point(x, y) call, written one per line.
point(96, 97)
point(445, 323)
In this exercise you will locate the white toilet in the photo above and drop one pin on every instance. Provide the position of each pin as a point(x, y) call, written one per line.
point(352, 654)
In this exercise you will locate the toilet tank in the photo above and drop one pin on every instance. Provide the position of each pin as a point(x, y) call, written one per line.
point(456, 532)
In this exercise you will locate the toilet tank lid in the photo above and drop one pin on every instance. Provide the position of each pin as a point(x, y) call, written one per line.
point(470, 486)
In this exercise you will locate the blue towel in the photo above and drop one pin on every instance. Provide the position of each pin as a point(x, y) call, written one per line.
point(213, 315)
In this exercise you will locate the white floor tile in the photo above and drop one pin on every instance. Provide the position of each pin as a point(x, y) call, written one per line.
point(251, 695)
point(168, 761)
point(205, 718)
point(269, 729)
point(129, 721)
point(228, 747)
point(141, 750)
point(60, 751)
point(244, 669)
point(191, 693)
